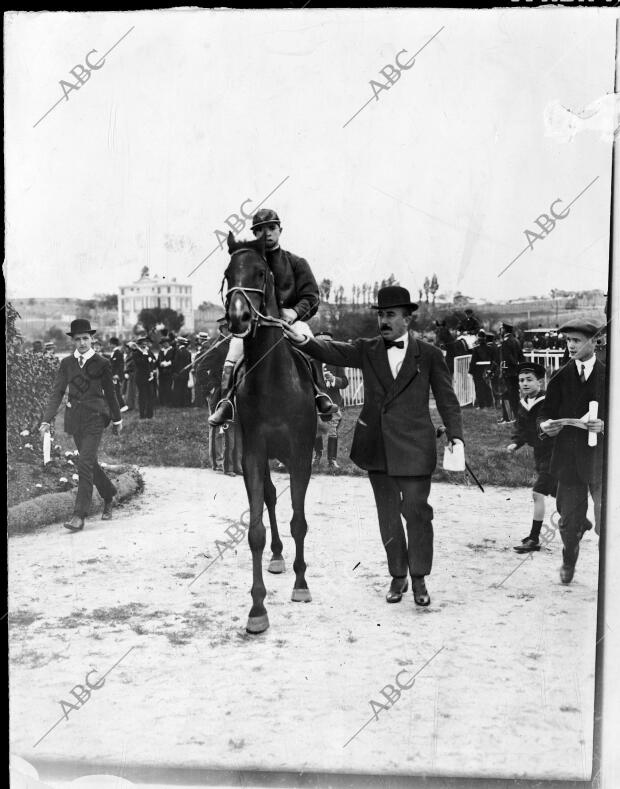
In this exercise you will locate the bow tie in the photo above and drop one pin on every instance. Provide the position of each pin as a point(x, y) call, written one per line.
point(393, 344)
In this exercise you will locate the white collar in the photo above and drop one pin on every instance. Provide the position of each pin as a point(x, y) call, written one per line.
point(86, 356)
point(588, 364)
point(529, 404)
point(404, 338)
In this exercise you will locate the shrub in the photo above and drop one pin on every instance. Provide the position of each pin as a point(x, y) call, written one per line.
point(29, 380)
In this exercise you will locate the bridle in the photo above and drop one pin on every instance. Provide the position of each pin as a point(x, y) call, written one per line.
point(258, 314)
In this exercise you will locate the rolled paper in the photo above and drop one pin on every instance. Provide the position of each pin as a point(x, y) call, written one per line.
point(592, 414)
point(47, 447)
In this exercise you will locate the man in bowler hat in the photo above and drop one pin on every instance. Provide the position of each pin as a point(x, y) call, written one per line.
point(395, 440)
point(92, 402)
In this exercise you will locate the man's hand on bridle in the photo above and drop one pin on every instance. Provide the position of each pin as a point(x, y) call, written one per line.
point(292, 335)
point(288, 314)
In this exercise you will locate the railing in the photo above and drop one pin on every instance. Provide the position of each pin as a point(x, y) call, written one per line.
point(354, 393)
point(463, 382)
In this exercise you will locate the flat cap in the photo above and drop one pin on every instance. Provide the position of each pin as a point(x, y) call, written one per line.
point(589, 328)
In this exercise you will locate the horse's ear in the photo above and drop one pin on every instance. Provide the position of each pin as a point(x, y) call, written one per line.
point(231, 241)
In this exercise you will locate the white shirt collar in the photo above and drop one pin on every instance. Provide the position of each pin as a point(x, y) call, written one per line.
point(404, 338)
point(588, 364)
point(86, 356)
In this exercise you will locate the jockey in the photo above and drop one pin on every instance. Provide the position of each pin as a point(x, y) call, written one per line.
point(297, 295)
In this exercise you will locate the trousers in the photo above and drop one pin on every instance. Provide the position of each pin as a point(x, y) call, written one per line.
point(87, 438)
point(572, 503)
point(404, 497)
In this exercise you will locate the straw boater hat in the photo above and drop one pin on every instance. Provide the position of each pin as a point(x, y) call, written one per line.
point(80, 326)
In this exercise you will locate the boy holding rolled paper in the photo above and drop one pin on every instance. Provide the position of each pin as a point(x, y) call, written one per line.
point(531, 388)
point(574, 412)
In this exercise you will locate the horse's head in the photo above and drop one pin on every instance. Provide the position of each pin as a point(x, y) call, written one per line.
point(250, 294)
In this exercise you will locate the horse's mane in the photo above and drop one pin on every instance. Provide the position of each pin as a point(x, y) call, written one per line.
point(255, 244)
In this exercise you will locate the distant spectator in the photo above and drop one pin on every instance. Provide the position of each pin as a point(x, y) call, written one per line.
point(334, 380)
point(165, 359)
point(511, 357)
point(117, 360)
point(37, 346)
point(481, 369)
point(146, 364)
point(181, 395)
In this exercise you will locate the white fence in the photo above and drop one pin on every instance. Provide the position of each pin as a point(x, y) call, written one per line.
point(463, 382)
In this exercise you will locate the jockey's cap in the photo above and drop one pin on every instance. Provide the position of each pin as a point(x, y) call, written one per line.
point(265, 216)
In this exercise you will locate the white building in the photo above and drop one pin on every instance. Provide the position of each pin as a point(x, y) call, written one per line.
point(151, 291)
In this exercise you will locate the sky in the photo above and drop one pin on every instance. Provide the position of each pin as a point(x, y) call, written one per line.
point(194, 112)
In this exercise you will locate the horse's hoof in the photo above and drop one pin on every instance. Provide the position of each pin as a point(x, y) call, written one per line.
point(257, 624)
point(276, 566)
point(301, 596)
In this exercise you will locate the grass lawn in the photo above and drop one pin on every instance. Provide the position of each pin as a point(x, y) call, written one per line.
point(178, 437)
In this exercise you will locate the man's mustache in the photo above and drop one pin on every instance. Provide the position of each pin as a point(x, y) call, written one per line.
point(385, 326)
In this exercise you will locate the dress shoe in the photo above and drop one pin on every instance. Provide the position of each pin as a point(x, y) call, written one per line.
point(528, 545)
point(420, 592)
point(566, 573)
point(332, 463)
point(106, 515)
point(230, 473)
point(397, 588)
point(75, 524)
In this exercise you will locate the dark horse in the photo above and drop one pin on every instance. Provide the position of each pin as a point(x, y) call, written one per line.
point(276, 411)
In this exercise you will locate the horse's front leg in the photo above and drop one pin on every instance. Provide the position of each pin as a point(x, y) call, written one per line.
point(253, 473)
point(276, 565)
point(300, 476)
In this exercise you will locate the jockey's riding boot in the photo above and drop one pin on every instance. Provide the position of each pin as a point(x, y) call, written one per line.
point(324, 404)
point(224, 411)
point(332, 451)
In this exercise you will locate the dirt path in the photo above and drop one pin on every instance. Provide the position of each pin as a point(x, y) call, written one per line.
point(506, 665)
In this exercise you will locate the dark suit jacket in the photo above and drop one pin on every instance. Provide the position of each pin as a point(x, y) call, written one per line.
point(166, 371)
point(90, 387)
point(511, 356)
point(145, 364)
point(118, 362)
point(394, 432)
point(209, 371)
point(572, 459)
point(341, 382)
point(182, 357)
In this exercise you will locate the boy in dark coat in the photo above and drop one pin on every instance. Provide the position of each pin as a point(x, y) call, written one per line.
point(575, 462)
point(92, 402)
point(531, 385)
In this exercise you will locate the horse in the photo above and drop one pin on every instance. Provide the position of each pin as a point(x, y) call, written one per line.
point(275, 407)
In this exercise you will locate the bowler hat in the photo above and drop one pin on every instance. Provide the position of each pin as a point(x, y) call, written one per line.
point(582, 326)
point(393, 296)
point(143, 338)
point(80, 326)
point(507, 327)
point(265, 216)
point(482, 333)
point(531, 367)
point(165, 338)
